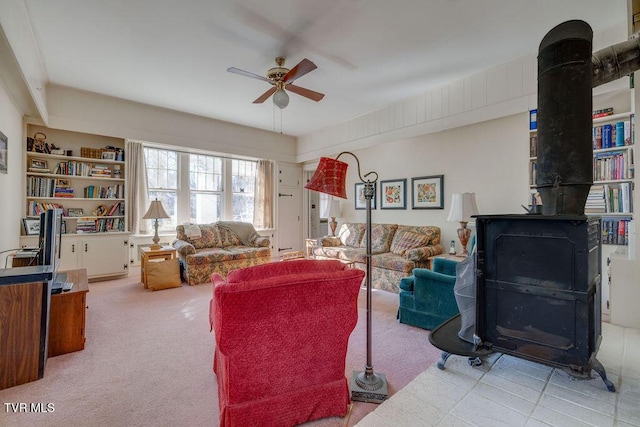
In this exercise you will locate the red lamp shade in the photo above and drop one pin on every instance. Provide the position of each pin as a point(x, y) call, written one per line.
point(330, 178)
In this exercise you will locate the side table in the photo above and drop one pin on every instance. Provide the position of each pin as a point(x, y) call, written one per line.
point(67, 316)
point(146, 255)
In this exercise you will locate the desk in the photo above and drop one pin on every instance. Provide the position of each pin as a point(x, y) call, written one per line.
point(67, 316)
point(146, 255)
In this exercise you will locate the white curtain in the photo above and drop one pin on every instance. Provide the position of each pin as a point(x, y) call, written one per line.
point(263, 197)
point(137, 189)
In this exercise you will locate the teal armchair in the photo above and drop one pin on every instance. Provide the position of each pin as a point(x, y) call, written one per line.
point(426, 298)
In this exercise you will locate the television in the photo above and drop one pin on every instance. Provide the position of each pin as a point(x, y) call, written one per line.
point(50, 239)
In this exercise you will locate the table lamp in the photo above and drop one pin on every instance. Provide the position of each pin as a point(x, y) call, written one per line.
point(463, 206)
point(155, 211)
point(334, 211)
point(330, 178)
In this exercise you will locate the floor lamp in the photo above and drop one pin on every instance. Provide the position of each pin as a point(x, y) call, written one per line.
point(330, 178)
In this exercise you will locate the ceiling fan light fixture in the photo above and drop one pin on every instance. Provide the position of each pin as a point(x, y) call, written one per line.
point(281, 98)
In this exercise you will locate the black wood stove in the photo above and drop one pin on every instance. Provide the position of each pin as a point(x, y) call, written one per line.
point(538, 277)
point(538, 289)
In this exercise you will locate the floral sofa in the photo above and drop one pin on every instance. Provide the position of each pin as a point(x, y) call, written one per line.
point(219, 247)
point(396, 249)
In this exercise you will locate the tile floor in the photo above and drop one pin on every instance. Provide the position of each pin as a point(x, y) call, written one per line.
point(508, 391)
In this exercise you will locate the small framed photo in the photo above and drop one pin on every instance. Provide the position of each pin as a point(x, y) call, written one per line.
point(75, 212)
point(108, 155)
point(361, 202)
point(62, 183)
point(31, 226)
point(427, 192)
point(393, 194)
point(38, 164)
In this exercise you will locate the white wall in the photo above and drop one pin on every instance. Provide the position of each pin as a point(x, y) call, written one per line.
point(488, 158)
point(11, 183)
point(80, 111)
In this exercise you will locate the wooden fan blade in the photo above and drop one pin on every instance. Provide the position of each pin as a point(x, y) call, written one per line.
point(299, 70)
point(265, 96)
point(307, 93)
point(247, 74)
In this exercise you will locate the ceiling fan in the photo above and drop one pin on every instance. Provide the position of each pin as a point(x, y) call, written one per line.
point(282, 78)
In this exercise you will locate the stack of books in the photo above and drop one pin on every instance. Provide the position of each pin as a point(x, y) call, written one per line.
point(86, 225)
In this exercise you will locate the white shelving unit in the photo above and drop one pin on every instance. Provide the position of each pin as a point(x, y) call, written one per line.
point(91, 192)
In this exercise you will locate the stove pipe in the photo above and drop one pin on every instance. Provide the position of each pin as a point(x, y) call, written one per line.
point(567, 71)
point(565, 76)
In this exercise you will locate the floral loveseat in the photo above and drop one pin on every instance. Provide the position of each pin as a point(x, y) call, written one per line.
point(220, 247)
point(396, 249)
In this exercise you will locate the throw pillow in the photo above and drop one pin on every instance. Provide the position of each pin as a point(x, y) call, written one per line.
point(409, 240)
point(163, 274)
point(382, 236)
point(351, 234)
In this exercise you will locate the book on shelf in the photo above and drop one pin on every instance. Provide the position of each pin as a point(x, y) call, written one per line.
point(533, 119)
point(533, 145)
point(602, 112)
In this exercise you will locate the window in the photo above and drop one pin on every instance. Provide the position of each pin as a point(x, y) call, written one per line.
point(205, 185)
point(192, 187)
point(243, 183)
point(162, 179)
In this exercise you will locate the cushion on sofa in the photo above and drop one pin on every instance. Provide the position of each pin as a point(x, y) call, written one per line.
point(264, 271)
point(244, 252)
point(382, 236)
point(351, 234)
point(389, 261)
point(405, 240)
point(340, 252)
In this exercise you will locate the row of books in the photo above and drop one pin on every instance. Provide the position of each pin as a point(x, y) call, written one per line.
point(615, 231)
point(612, 165)
point(100, 192)
point(610, 199)
point(612, 135)
point(36, 208)
point(73, 168)
point(100, 225)
point(40, 187)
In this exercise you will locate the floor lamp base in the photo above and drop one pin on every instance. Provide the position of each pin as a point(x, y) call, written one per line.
point(369, 388)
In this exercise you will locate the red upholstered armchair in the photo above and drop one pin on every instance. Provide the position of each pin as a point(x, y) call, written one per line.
point(281, 333)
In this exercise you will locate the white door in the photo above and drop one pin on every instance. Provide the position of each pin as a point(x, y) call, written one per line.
point(289, 208)
point(103, 255)
point(69, 254)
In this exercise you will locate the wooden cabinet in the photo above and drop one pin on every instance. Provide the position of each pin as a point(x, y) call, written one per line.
point(67, 316)
point(102, 255)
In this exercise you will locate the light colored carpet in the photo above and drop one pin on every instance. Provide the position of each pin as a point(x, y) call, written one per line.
point(148, 357)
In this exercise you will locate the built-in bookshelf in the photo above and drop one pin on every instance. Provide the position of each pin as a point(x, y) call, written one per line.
point(84, 176)
point(611, 195)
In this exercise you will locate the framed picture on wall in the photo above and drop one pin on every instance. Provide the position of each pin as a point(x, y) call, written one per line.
point(360, 202)
point(393, 194)
point(4, 159)
point(427, 192)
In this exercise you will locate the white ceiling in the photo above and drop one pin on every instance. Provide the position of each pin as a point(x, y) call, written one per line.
point(369, 53)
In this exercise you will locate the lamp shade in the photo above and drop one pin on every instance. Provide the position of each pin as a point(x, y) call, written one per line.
point(155, 211)
point(330, 178)
point(334, 209)
point(463, 206)
point(281, 98)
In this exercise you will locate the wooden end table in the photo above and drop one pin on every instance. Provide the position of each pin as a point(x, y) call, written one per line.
point(67, 316)
point(146, 255)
